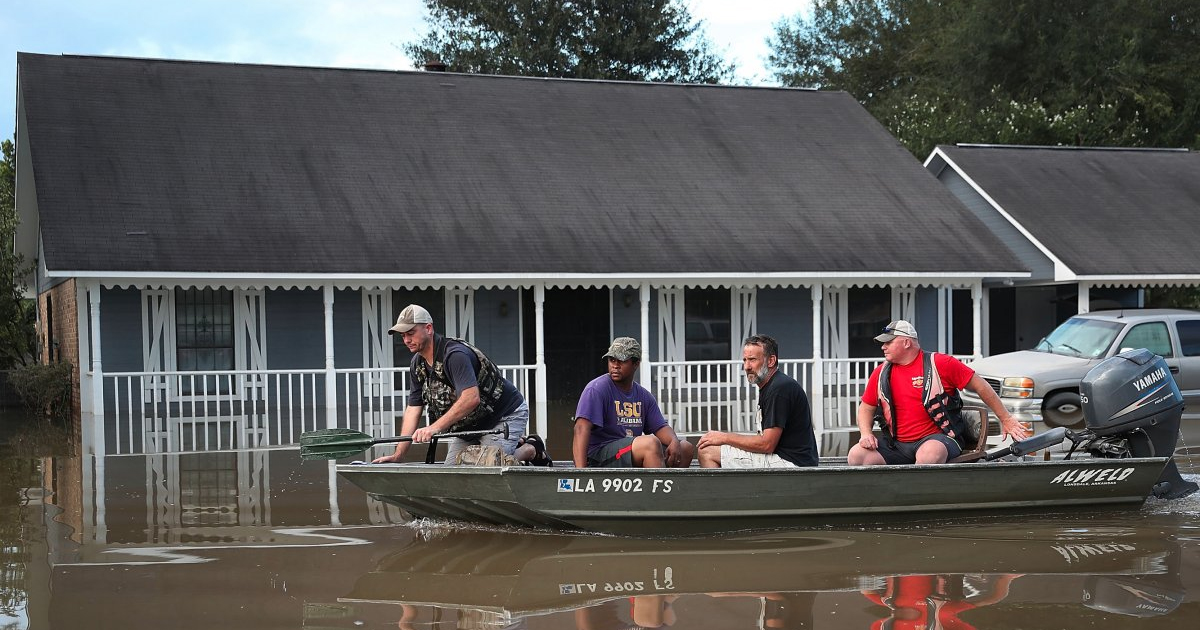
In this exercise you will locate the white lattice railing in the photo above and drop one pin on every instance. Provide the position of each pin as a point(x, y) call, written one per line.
point(161, 412)
point(699, 396)
point(148, 412)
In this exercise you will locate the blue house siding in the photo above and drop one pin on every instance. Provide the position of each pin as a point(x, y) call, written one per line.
point(121, 330)
point(347, 328)
point(786, 315)
point(296, 329)
point(496, 325)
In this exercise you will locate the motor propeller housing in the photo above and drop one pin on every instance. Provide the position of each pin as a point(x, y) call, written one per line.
point(1132, 398)
point(1131, 390)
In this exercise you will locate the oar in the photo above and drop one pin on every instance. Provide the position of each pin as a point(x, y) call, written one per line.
point(339, 443)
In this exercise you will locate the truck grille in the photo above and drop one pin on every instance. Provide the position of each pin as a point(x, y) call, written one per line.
point(994, 382)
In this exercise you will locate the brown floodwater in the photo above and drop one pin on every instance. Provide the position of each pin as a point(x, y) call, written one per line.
point(260, 539)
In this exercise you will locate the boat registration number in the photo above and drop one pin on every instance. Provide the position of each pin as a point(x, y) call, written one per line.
point(617, 484)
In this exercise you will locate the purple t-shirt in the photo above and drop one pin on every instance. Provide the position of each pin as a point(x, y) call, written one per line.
point(615, 414)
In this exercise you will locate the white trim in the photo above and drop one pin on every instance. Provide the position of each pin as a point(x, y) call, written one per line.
point(836, 322)
point(670, 325)
point(904, 304)
point(539, 345)
point(158, 342)
point(644, 330)
point(460, 314)
point(979, 319)
point(745, 318)
point(527, 279)
point(250, 339)
point(377, 344)
point(1061, 271)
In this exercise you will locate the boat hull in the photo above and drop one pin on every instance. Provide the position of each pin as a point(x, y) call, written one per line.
point(669, 502)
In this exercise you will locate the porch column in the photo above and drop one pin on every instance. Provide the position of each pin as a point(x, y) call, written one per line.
point(816, 396)
point(1085, 297)
point(97, 366)
point(977, 319)
point(330, 376)
point(84, 364)
point(644, 297)
point(539, 318)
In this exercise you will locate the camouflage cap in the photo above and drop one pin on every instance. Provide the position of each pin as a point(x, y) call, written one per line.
point(624, 349)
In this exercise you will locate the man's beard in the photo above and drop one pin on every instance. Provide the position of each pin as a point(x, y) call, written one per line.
point(757, 377)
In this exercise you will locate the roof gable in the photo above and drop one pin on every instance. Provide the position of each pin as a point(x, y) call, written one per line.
point(167, 166)
point(1100, 212)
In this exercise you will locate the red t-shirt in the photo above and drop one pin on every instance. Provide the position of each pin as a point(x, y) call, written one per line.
point(908, 385)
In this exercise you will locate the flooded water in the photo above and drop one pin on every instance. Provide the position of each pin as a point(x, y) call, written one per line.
point(259, 539)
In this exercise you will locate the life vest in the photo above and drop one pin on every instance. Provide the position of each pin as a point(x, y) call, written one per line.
point(945, 410)
point(438, 392)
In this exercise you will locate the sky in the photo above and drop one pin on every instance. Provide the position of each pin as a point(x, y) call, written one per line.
point(324, 33)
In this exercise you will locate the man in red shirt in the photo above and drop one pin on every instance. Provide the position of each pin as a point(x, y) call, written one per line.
point(904, 397)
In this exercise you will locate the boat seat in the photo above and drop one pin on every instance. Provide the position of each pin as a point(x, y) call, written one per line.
point(976, 419)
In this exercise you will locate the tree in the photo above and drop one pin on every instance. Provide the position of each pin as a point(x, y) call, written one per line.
point(1095, 72)
point(631, 40)
point(17, 335)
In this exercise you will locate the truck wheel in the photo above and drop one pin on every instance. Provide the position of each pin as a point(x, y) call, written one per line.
point(1063, 409)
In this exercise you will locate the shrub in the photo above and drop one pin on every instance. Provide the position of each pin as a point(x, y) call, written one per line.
point(44, 389)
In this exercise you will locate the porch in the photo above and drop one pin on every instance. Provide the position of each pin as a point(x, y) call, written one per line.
point(179, 412)
point(266, 402)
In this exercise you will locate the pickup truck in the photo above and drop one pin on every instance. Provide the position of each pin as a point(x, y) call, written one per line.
point(1040, 387)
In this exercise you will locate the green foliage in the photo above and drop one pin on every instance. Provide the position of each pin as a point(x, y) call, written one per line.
point(44, 389)
point(17, 314)
point(1173, 297)
point(1091, 72)
point(632, 40)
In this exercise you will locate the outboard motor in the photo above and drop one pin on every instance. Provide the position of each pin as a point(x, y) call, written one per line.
point(1133, 407)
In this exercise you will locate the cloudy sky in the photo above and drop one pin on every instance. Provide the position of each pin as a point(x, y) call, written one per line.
point(346, 33)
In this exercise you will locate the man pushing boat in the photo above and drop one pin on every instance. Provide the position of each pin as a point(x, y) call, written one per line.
point(463, 389)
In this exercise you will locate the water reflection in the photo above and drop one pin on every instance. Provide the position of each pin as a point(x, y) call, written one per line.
point(931, 576)
point(255, 539)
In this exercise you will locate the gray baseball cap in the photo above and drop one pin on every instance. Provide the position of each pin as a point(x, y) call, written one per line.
point(410, 318)
point(898, 328)
point(624, 349)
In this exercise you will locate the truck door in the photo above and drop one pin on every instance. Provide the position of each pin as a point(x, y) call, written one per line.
point(1188, 378)
point(1156, 337)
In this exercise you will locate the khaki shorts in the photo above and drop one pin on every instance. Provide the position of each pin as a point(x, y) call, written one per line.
point(734, 457)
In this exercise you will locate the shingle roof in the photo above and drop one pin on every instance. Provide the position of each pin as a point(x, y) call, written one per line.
point(1102, 212)
point(169, 166)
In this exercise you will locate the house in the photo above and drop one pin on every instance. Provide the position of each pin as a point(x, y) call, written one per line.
point(1094, 226)
point(222, 247)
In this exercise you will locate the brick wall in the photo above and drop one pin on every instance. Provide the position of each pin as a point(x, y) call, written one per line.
point(58, 338)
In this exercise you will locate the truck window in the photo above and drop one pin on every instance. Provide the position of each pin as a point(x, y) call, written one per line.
point(1152, 336)
point(1189, 336)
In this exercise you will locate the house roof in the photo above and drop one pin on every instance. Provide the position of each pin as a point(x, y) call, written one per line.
point(1099, 213)
point(149, 166)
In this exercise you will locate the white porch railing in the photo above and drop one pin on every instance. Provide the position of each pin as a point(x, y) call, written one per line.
point(160, 412)
point(701, 396)
point(171, 412)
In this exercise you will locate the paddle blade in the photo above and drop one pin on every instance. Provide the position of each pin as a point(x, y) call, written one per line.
point(328, 451)
point(344, 438)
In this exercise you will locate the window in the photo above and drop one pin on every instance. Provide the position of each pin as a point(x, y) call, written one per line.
point(1189, 337)
point(204, 329)
point(707, 331)
point(870, 309)
point(1152, 336)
